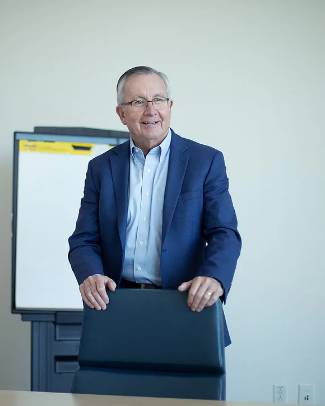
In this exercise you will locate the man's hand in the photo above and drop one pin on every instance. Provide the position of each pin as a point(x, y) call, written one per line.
point(93, 291)
point(203, 291)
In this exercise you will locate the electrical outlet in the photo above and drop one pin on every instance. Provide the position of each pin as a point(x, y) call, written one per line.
point(306, 394)
point(279, 394)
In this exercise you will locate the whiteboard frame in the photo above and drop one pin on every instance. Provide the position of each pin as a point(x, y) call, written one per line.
point(69, 134)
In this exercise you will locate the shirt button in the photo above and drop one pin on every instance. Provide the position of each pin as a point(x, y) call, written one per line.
point(141, 242)
point(148, 170)
point(138, 268)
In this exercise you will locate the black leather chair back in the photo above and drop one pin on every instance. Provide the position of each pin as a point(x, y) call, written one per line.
point(149, 343)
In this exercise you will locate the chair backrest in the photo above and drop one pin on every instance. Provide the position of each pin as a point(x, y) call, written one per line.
point(148, 342)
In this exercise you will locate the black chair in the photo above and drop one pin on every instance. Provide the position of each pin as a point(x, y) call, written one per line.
point(149, 343)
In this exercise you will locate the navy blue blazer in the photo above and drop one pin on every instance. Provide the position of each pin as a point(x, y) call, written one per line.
point(199, 232)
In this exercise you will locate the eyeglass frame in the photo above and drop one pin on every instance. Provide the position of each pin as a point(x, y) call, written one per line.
point(145, 102)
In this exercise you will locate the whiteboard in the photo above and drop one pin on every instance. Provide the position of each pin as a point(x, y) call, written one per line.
point(49, 180)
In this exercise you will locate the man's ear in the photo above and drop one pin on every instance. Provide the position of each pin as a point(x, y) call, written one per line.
point(121, 113)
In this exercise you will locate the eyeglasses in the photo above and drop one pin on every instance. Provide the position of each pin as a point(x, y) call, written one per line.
point(157, 102)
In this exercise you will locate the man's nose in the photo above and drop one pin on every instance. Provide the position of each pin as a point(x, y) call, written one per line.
point(150, 107)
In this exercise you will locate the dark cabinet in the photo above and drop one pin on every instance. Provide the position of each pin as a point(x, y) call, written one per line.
point(55, 341)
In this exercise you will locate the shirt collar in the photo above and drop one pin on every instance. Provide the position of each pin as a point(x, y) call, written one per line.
point(162, 148)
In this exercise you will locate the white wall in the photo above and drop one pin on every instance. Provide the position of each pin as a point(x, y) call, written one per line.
point(247, 78)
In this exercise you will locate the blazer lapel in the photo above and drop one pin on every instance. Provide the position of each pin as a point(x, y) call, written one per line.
point(178, 159)
point(120, 166)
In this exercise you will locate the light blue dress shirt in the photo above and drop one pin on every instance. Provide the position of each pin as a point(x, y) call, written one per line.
point(147, 184)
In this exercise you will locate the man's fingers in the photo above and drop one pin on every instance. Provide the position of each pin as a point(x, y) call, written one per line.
point(100, 302)
point(200, 294)
point(204, 292)
point(207, 297)
point(93, 291)
point(84, 297)
point(219, 292)
point(88, 297)
point(214, 297)
point(101, 290)
point(196, 283)
point(89, 304)
point(91, 295)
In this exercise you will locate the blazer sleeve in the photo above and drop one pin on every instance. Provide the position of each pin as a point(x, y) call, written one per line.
point(85, 250)
point(219, 227)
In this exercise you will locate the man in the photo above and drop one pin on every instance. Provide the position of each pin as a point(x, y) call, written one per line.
point(156, 210)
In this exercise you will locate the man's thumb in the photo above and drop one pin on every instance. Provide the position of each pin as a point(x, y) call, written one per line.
point(185, 286)
point(111, 284)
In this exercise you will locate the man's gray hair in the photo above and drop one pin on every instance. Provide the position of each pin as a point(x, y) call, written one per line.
point(138, 70)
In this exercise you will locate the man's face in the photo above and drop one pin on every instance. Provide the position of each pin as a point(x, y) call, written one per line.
point(148, 124)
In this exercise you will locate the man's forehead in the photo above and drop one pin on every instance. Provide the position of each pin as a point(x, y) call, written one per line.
point(143, 81)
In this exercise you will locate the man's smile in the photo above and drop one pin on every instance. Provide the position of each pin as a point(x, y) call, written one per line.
point(150, 123)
